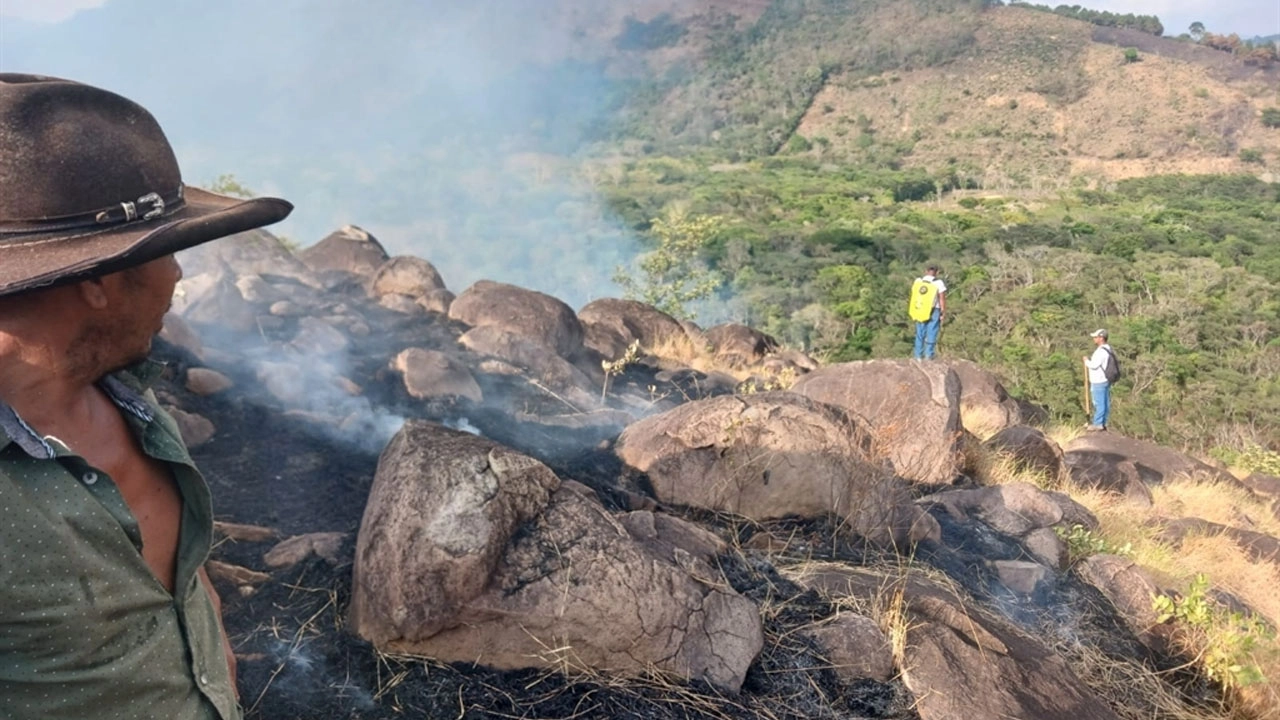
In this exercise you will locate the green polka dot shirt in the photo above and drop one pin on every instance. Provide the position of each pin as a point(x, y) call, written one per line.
point(86, 629)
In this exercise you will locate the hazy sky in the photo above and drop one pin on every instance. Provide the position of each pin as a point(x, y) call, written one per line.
point(45, 10)
point(1246, 17)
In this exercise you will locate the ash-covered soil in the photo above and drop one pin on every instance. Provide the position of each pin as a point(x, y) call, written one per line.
point(296, 475)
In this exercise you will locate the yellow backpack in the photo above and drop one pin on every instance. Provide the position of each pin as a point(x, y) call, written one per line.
point(923, 293)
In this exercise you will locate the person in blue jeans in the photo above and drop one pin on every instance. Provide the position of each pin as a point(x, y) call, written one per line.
point(927, 331)
point(1099, 387)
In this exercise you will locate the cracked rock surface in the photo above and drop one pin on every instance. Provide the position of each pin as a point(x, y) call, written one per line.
point(471, 552)
point(771, 455)
point(913, 408)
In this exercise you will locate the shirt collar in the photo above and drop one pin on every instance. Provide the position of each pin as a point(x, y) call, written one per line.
point(125, 389)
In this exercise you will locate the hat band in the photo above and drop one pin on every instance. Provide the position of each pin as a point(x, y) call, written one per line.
point(148, 207)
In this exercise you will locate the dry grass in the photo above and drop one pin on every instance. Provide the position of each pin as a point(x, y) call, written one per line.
point(1228, 567)
point(1135, 692)
point(1219, 557)
point(1064, 434)
point(1216, 501)
point(994, 467)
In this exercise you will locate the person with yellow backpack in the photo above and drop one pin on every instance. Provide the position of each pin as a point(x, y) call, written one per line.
point(927, 307)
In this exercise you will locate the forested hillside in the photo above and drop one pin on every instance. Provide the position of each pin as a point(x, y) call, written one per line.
point(1062, 181)
point(1176, 267)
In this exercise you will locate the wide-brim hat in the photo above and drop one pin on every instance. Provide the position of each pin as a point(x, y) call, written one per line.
point(89, 185)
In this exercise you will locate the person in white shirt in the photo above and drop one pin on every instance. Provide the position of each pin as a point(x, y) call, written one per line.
point(1099, 386)
point(927, 331)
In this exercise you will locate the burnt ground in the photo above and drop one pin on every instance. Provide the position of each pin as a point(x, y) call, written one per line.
point(296, 475)
point(299, 474)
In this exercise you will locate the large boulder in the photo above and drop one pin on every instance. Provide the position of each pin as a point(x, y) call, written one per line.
point(526, 313)
point(1030, 448)
point(739, 346)
point(913, 408)
point(1263, 486)
point(443, 506)
point(350, 250)
point(178, 333)
point(212, 300)
point(1266, 488)
point(612, 325)
point(856, 647)
point(433, 374)
point(1259, 547)
point(539, 362)
point(406, 275)
point(1014, 509)
point(960, 662)
point(1099, 460)
point(254, 252)
point(1131, 591)
point(469, 551)
point(771, 455)
point(437, 301)
point(985, 406)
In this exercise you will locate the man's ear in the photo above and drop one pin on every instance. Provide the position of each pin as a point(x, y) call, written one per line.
point(93, 293)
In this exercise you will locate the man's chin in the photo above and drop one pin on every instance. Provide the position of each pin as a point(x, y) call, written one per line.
point(131, 360)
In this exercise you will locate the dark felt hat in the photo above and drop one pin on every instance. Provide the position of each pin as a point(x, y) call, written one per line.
point(89, 186)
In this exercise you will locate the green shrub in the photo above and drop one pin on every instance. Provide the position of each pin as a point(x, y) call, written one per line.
point(1271, 117)
point(1255, 459)
point(1250, 155)
point(1131, 55)
point(799, 144)
point(1082, 542)
point(1225, 638)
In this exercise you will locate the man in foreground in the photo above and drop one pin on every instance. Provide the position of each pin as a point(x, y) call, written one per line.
point(105, 608)
point(927, 308)
point(1103, 369)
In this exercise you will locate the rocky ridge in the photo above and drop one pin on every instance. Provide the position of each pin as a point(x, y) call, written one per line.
point(436, 502)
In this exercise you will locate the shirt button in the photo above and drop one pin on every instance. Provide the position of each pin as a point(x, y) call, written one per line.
point(204, 679)
point(90, 478)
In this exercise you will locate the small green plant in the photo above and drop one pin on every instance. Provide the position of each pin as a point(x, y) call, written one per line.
point(1083, 542)
point(1252, 459)
point(1223, 638)
point(1271, 117)
point(1131, 55)
point(1255, 459)
point(1201, 92)
point(615, 367)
